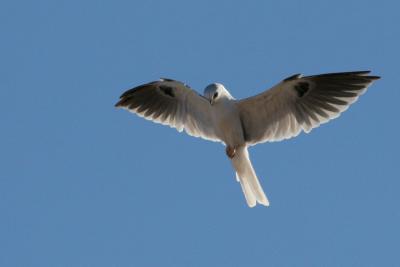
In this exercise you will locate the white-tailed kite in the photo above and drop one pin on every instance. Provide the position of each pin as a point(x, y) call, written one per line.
point(294, 105)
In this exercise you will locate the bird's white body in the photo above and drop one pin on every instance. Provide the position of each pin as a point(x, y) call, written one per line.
point(227, 123)
point(294, 105)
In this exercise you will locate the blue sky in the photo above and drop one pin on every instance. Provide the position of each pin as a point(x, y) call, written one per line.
point(84, 184)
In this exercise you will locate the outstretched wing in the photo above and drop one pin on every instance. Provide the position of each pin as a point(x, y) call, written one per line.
point(300, 104)
point(171, 103)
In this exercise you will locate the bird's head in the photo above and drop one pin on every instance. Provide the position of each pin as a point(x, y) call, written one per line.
point(215, 92)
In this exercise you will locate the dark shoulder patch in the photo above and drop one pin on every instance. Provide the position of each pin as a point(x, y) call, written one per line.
point(302, 88)
point(167, 90)
point(293, 77)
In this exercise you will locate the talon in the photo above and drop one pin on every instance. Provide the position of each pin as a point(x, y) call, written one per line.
point(230, 151)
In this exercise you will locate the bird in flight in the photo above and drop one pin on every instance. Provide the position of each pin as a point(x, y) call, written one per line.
point(294, 105)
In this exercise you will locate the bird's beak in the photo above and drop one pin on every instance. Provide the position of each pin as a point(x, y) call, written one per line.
point(211, 102)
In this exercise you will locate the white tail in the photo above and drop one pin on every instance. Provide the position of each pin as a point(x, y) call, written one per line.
point(245, 174)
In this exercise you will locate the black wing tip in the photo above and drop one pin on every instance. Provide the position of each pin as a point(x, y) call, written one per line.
point(121, 103)
point(359, 73)
point(125, 96)
point(362, 73)
point(374, 78)
point(365, 75)
point(118, 104)
point(137, 88)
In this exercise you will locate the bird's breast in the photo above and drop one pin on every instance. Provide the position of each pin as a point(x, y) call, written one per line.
point(227, 122)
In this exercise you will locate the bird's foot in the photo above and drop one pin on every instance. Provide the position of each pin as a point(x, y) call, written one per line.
point(230, 151)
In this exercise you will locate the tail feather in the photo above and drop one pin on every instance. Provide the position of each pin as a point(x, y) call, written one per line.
point(247, 191)
point(247, 177)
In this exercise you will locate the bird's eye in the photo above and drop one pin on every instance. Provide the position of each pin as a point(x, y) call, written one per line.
point(215, 95)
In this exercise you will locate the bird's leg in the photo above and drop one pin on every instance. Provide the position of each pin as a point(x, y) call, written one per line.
point(230, 151)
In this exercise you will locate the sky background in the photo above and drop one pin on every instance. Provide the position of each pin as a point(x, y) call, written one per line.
point(85, 184)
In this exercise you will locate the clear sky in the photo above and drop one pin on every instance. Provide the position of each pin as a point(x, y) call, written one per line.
point(85, 184)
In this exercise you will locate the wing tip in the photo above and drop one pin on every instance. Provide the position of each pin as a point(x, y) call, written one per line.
point(120, 103)
point(348, 73)
point(374, 78)
point(364, 73)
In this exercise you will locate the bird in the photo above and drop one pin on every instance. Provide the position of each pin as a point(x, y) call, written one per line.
point(294, 105)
